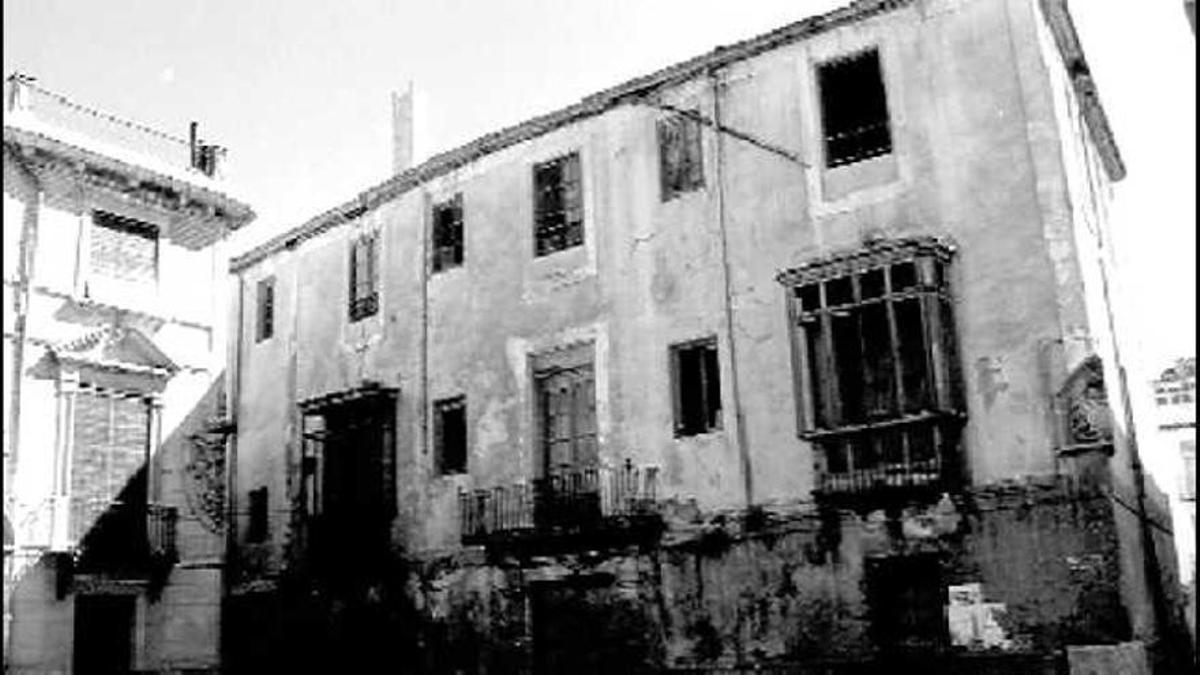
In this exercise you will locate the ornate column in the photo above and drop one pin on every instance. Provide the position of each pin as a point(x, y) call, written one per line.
point(154, 457)
point(60, 524)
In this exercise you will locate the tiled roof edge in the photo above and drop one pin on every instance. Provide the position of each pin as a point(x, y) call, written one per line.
point(589, 106)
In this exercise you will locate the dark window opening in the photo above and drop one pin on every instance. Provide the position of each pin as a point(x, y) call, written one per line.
point(450, 435)
point(364, 295)
point(104, 634)
point(256, 532)
point(697, 381)
point(558, 205)
point(266, 308)
point(123, 248)
point(348, 481)
point(906, 602)
point(854, 109)
point(681, 156)
point(448, 234)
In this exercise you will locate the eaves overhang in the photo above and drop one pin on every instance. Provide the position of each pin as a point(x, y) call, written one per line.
point(632, 91)
point(195, 193)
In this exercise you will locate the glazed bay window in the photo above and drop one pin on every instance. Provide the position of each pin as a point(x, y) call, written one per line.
point(558, 205)
point(878, 378)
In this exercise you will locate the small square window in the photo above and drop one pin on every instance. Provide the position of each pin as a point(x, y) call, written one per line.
point(266, 308)
point(448, 234)
point(450, 435)
point(364, 294)
point(681, 156)
point(697, 383)
point(558, 205)
point(854, 109)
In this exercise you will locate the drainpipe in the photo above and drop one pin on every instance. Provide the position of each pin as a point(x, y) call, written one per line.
point(233, 387)
point(426, 226)
point(743, 444)
point(1158, 596)
point(20, 304)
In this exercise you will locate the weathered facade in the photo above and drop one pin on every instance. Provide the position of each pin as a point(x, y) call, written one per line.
point(798, 352)
point(113, 355)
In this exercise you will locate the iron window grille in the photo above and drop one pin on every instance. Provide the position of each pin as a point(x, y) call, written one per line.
point(364, 294)
point(696, 381)
point(854, 109)
point(558, 205)
point(450, 435)
point(448, 234)
point(681, 156)
point(878, 375)
point(111, 447)
point(266, 308)
point(123, 248)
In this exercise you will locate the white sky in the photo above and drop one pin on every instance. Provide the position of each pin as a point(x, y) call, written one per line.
point(299, 92)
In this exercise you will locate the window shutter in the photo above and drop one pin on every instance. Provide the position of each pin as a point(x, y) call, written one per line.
point(372, 259)
point(676, 391)
point(353, 276)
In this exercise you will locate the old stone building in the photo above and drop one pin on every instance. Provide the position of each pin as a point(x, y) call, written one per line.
point(798, 353)
point(113, 355)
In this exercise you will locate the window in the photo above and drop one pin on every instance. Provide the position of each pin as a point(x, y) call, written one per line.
point(696, 380)
point(878, 374)
point(680, 154)
point(111, 445)
point(450, 435)
point(257, 530)
point(854, 109)
point(364, 298)
point(1188, 491)
point(266, 308)
point(558, 205)
point(448, 234)
point(123, 248)
point(566, 394)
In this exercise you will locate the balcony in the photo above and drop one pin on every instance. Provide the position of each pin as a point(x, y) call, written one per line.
point(571, 509)
point(873, 464)
point(126, 540)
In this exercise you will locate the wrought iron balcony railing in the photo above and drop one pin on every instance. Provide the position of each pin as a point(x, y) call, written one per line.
point(570, 502)
point(902, 456)
point(125, 537)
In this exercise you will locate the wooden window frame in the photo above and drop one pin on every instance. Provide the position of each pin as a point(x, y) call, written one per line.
point(364, 277)
point(680, 156)
point(440, 408)
point(582, 428)
point(838, 96)
point(912, 439)
point(449, 242)
point(558, 209)
point(265, 301)
point(711, 407)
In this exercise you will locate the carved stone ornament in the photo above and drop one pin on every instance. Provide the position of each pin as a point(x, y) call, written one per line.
point(204, 480)
point(1088, 416)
